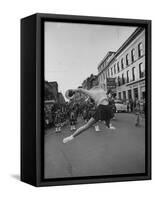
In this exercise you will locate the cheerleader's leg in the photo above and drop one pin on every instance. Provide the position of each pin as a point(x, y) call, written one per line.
point(109, 125)
point(80, 130)
point(107, 122)
point(109, 116)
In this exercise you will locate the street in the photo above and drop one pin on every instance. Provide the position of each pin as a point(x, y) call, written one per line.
point(108, 152)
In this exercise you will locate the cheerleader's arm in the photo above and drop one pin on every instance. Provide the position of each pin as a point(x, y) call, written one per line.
point(86, 92)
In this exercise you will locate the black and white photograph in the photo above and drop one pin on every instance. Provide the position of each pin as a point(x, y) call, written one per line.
point(94, 100)
point(77, 99)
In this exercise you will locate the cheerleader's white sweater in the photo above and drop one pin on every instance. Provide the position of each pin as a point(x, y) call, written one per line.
point(97, 94)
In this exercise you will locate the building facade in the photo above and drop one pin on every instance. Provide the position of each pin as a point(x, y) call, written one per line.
point(52, 93)
point(103, 72)
point(127, 66)
point(90, 82)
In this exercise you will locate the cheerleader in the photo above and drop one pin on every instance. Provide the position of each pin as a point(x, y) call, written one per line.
point(103, 111)
point(137, 113)
point(58, 121)
point(72, 119)
point(84, 114)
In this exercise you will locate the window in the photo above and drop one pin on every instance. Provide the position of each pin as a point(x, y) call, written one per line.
point(108, 73)
point(119, 81)
point(124, 95)
point(115, 69)
point(119, 95)
point(118, 67)
point(140, 49)
point(111, 71)
point(123, 79)
point(133, 55)
point(129, 94)
point(122, 63)
point(127, 59)
point(103, 76)
point(127, 76)
point(141, 70)
point(133, 73)
point(135, 92)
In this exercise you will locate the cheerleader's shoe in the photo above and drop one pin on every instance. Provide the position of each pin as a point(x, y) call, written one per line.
point(112, 127)
point(68, 139)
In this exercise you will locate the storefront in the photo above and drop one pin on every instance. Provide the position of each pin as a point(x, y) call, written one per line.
point(132, 91)
point(136, 90)
point(142, 90)
point(135, 93)
point(129, 94)
point(124, 95)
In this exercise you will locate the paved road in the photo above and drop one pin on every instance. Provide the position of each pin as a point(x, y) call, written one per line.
point(120, 151)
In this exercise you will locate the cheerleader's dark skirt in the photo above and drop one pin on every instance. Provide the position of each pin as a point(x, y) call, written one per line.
point(103, 113)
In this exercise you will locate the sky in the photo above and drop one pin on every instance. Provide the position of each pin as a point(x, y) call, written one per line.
point(73, 51)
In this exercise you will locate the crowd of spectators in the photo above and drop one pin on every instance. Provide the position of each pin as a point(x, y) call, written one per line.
point(58, 115)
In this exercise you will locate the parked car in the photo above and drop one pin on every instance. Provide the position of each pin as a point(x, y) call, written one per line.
point(120, 106)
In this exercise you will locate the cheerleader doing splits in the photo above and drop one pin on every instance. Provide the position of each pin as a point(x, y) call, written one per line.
point(103, 111)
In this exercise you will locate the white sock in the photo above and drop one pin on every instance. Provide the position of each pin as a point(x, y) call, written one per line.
point(97, 128)
point(112, 127)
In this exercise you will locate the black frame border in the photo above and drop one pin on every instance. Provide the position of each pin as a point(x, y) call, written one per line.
point(40, 20)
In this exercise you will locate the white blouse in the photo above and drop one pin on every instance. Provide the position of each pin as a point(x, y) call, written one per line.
point(97, 94)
